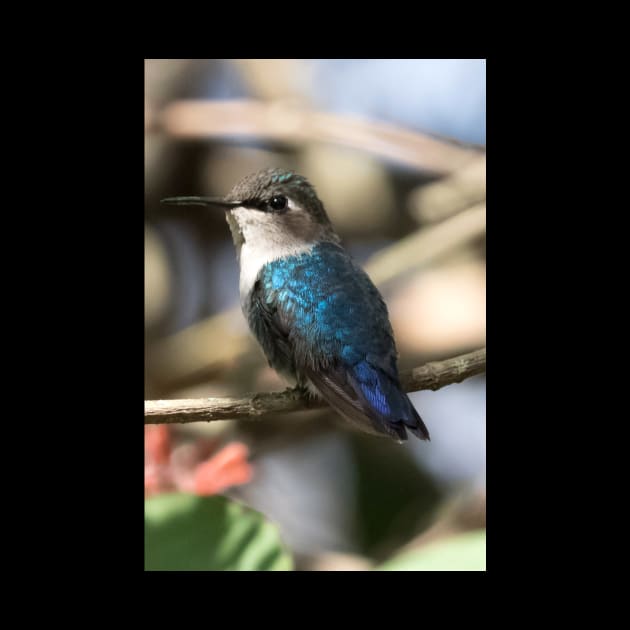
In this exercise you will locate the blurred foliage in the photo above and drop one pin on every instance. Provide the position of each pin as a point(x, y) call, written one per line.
point(394, 496)
point(185, 532)
point(465, 552)
point(189, 533)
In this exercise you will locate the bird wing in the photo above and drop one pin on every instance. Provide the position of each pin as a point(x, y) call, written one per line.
point(369, 399)
point(271, 330)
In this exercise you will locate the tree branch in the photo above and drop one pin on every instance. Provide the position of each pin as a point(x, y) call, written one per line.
point(433, 376)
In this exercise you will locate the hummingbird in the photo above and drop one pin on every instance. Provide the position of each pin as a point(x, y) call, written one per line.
point(316, 314)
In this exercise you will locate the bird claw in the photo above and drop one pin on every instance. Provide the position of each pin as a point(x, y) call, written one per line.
point(299, 391)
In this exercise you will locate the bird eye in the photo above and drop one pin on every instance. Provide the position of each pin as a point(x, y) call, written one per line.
point(279, 202)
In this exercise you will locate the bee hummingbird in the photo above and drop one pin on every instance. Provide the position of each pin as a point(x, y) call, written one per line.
point(317, 315)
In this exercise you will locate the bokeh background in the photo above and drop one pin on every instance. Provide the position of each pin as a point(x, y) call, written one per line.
point(396, 151)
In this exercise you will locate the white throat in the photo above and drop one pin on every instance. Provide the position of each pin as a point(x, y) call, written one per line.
point(265, 240)
point(255, 255)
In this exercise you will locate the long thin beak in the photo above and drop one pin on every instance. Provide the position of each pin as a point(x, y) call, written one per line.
point(216, 202)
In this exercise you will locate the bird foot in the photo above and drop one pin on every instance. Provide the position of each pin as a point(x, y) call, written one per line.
point(300, 391)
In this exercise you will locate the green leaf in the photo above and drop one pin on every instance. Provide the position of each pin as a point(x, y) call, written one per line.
point(464, 552)
point(185, 532)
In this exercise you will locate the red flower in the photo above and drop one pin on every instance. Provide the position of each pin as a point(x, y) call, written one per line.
point(188, 468)
point(229, 467)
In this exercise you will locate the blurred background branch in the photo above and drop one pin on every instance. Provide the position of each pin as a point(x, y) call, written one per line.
point(426, 245)
point(279, 122)
point(464, 187)
point(430, 376)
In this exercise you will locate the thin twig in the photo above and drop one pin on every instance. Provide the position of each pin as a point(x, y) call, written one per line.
point(433, 376)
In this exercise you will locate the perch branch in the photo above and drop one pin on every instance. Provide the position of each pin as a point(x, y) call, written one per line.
point(433, 376)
